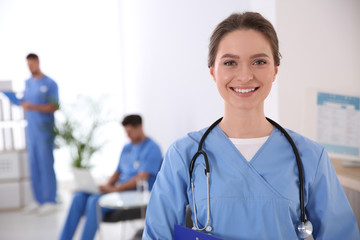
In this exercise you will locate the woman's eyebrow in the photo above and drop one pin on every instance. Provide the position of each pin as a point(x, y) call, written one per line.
point(229, 55)
point(260, 55)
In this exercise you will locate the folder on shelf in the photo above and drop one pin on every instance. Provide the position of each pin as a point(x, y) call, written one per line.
point(12, 97)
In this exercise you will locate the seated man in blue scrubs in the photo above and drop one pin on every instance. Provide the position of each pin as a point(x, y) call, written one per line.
point(139, 160)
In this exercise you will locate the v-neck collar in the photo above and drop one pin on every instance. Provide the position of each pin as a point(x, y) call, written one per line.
point(228, 141)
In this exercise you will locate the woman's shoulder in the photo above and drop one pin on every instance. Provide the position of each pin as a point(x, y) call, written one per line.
point(185, 147)
point(188, 141)
point(312, 154)
point(302, 142)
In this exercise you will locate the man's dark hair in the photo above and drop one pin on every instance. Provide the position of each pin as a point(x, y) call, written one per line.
point(133, 120)
point(32, 56)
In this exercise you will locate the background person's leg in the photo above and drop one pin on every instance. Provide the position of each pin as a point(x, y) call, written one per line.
point(92, 220)
point(76, 210)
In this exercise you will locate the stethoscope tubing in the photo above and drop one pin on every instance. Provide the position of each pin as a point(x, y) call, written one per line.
point(299, 165)
point(200, 151)
point(290, 140)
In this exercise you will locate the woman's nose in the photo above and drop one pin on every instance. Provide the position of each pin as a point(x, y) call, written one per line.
point(244, 73)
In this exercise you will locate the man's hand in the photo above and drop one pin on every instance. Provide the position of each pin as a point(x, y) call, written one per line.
point(113, 186)
point(44, 108)
point(107, 188)
point(26, 105)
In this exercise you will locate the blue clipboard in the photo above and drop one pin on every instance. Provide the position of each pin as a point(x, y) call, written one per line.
point(12, 97)
point(183, 233)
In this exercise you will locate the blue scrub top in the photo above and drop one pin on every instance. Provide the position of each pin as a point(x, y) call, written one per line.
point(250, 200)
point(42, 91)
point(145, 156)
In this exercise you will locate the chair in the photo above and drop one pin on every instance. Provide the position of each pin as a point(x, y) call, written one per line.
point(127, 211)
point(126, 215)
point(136, 213)
point(123, 215)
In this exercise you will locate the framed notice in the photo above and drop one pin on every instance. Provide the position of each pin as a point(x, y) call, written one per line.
point(338, 124)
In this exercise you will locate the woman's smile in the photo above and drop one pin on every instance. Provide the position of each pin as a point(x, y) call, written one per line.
point(244, 91)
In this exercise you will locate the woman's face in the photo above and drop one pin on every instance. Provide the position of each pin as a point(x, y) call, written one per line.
point(244, 69)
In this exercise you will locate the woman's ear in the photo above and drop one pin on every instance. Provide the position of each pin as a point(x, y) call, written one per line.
point(276, 72)
point(212, 73)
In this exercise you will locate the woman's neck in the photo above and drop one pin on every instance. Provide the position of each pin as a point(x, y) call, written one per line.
point(245, 124)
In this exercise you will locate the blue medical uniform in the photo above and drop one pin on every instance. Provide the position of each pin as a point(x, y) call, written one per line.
point(145, 156)
point(250, 200)
point(40, 140)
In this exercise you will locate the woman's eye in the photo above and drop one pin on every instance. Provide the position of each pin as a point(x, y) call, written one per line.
point(229, 63)
point(259, 62)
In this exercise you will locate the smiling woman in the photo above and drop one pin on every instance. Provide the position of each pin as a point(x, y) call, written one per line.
point(259, 185)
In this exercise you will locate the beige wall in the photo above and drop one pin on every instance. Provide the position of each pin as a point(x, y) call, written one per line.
point(320, 45)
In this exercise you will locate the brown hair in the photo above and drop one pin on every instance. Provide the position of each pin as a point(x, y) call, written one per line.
point(132, 120)
point(32, 56)
point(246, 20)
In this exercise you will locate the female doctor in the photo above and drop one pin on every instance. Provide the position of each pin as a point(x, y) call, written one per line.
point(253, 185)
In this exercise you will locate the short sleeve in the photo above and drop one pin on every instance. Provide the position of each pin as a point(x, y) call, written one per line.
point(53, 93)
point(152, 159)
point(328, 208)
point(118, 168)
point(168, 200)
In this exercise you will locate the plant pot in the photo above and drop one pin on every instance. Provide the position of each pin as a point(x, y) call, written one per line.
point(84, 181)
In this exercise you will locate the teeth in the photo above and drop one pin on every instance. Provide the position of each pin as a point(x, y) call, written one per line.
point(244, 90)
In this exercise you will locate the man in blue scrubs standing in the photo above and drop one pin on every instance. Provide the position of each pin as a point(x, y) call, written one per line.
point(40, 101)
point(139, 160)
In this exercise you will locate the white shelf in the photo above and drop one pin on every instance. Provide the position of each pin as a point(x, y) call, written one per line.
point(14, 170)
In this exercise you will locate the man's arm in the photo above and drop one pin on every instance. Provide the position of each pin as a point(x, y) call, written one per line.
point(131, 183)
point(124, 186)
point(44, 108)
point(105, 188)
point(113, 179)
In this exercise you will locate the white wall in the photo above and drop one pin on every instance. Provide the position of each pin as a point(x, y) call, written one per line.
point(319, 41)
point(149, 57)
point(78, 45)
point(166, 78)
point(77, 42)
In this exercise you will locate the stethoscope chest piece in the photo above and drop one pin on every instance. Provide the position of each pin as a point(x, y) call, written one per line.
point(304, 229)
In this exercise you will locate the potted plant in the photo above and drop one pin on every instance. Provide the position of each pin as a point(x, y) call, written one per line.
point(76, 129)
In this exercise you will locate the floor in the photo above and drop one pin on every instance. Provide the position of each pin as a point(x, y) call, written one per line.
point(14, 225)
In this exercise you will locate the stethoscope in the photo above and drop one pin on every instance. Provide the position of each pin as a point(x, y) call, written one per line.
point(304, 228)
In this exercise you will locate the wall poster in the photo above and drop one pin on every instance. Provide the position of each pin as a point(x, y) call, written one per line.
point(338, 124)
